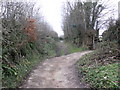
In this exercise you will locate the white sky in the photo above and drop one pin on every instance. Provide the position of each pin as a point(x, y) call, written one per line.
point(52, 12)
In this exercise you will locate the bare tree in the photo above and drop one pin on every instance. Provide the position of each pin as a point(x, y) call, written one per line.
point(81, 17)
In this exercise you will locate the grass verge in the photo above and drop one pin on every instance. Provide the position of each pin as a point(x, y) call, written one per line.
point(73, 48)
point(21, 71)
point(100, 69)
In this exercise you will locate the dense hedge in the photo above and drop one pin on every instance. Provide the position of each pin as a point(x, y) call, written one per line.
point(24, 45)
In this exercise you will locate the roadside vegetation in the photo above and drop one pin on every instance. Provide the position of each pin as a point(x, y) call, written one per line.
point(73, 48)
point(81, 25)
point(17, 72)
point(100, 69)
point(26, 41)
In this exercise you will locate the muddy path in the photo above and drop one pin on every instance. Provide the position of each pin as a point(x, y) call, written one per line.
point(58, 72)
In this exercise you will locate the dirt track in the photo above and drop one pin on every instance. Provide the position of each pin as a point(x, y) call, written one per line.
point(58, 72)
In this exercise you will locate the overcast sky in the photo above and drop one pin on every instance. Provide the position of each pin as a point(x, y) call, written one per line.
point(52, 11)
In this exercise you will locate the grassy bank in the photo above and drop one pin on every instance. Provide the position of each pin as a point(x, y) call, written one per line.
point(73, 48)
point(20, 71)
point(16, 73)
point(100, 68)
point(65, 48)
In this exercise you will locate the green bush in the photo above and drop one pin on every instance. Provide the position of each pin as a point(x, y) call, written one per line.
point(112, 33)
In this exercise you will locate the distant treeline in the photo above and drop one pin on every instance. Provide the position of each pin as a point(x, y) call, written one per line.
point(82, 22)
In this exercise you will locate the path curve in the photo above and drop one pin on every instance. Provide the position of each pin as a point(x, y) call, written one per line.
point(58, 72)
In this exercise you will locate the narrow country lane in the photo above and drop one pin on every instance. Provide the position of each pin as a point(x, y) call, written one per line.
point(58, 72)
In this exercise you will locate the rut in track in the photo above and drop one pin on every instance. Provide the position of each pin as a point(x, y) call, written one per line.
point(58, 72)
